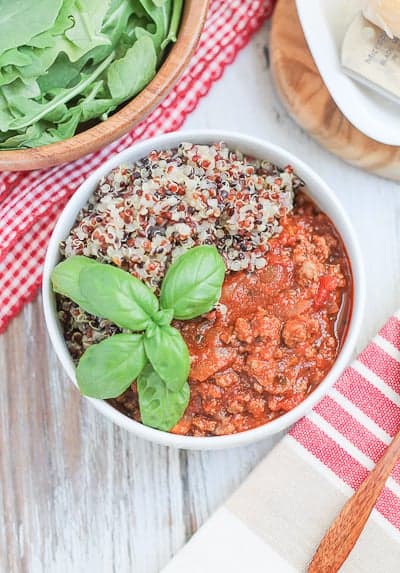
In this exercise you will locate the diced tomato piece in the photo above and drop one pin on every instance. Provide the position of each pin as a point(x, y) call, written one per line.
point(327, 284)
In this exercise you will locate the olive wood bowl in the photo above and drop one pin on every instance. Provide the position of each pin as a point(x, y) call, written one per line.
point(103, 133)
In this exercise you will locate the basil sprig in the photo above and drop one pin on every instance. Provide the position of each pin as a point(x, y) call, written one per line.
point(159, 406)
point(192, 285)
point(169, 355)
point(107, 369)
point(157, 357)
point(118, 296)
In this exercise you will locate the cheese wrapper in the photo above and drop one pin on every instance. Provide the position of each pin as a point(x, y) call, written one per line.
point(372, 58)
point(385, 14)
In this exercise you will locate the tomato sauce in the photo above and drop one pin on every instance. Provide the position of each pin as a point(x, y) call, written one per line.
point(275, 333)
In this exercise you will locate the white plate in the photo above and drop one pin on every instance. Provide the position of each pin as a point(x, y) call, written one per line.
point(325, 23)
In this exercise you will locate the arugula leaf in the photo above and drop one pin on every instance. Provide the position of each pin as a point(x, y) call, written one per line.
point(130, 74)
point(108, 368)
point(174, 23)
point(97, 108)
point(62, 74)
point(65, 128)
point(159, 14)
point(160, 407)
point(118, 296)
point(88, 20)
point(20, 89)
point(64, 21)
point(192, 284)
point(21, 20)
point(57, 56)
point(169, 355)
point(38, 112)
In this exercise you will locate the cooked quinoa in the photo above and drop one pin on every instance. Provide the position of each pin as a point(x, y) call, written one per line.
point(143, 216)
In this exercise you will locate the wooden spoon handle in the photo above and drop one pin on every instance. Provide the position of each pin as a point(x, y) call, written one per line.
point(342, 535)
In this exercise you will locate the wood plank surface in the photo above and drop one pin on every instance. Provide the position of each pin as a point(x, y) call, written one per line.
point(79, 495)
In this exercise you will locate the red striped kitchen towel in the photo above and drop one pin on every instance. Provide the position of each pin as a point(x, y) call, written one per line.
point(31, 202)
point(276, 519)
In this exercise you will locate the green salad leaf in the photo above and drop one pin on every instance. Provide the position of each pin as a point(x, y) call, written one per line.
point(88, 22)
point(21, 20)
point(67, 62)
point(159, 17)
point(131, 73)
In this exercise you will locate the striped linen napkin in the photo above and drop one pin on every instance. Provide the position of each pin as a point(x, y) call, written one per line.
point(274, 522)
point(30, 203)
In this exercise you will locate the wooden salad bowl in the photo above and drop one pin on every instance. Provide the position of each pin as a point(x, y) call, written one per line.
point(103, 133)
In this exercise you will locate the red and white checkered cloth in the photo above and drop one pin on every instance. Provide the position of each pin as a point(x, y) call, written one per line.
point(276, 519)
point(31, 202)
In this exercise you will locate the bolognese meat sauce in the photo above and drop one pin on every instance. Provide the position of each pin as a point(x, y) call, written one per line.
point(274, 335)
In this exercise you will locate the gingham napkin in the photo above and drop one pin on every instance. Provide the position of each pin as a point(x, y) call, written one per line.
point(30, 203)
point(276, 519)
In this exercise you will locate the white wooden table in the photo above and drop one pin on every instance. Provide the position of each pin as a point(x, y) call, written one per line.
point(78, 495)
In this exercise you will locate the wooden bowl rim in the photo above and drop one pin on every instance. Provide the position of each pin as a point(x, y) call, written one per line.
point(121, 122)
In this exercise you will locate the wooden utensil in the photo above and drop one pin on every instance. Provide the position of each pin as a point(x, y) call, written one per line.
point(347, 527)
point(193, 18)
point(308, 101)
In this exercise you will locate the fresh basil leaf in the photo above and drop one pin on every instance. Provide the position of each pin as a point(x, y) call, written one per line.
point(108, 368)
point(160, 407)
point(164, 317)
point(192, 284)
point(169, 356)
point(150, 330)
point(118, 296)
point(65, 280)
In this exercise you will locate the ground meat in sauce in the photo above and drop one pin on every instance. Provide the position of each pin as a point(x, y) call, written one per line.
point(274, 335)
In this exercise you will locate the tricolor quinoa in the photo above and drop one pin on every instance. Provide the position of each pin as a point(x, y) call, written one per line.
point(142, 216)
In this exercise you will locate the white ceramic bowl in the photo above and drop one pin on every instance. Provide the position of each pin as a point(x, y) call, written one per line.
point(324, 24)
point(320, 193)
